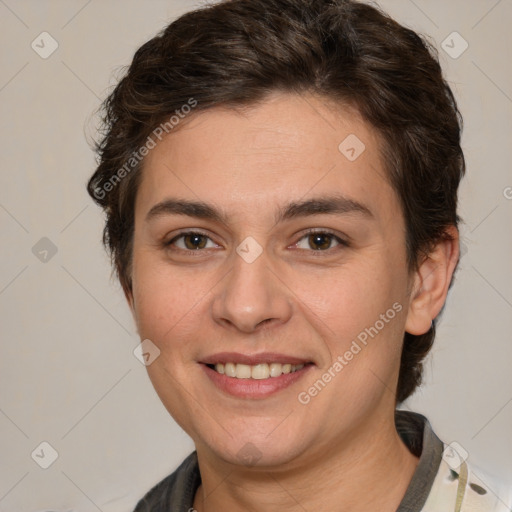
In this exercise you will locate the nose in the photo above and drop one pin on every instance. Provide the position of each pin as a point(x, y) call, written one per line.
point(251, 296)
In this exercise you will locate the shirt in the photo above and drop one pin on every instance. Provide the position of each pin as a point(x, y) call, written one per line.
point(442, 482)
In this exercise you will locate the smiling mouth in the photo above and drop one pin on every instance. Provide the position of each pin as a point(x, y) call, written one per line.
point(257, 371)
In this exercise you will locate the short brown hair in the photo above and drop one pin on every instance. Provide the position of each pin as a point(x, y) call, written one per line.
point(236, 52)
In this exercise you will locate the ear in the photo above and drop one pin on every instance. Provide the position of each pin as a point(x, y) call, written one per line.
point(431, 283)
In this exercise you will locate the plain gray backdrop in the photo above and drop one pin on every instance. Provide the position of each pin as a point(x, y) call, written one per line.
point(68, 374)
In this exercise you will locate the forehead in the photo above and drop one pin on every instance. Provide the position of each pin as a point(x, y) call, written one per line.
point(250, 160)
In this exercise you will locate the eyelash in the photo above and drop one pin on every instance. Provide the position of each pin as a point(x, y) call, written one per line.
point(341, 241)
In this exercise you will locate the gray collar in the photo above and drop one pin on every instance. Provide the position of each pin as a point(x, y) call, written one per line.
point(417, 434)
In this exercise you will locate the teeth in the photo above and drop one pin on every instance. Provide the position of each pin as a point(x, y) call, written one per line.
point(243, 371)
point(258, 371)
point(275, 369)
point(229, 369)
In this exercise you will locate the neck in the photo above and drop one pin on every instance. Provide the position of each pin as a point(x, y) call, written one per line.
point(370, 470)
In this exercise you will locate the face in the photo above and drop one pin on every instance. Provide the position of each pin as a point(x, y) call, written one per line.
point(263, 239)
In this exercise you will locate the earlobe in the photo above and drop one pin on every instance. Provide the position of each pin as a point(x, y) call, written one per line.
point(431, 283)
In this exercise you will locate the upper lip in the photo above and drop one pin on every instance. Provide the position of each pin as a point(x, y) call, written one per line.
point(253, 359)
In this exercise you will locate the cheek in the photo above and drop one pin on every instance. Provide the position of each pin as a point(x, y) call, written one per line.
point(359, 313)
point(165, 301)
point(347, 299)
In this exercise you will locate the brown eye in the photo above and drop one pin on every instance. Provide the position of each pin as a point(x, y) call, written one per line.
point(320, 241)
point(191, 241)
point(195, 241)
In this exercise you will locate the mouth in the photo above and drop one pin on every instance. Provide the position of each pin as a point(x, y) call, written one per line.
point(254, 377)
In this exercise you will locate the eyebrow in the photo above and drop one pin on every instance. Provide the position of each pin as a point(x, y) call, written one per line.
point(332, 204)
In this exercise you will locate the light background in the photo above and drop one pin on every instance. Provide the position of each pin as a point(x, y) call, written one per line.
point(68, 374)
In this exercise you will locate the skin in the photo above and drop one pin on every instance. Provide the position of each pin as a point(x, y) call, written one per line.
point(340, 451)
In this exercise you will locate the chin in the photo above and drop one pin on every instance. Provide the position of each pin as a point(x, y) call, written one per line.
point(257, 448)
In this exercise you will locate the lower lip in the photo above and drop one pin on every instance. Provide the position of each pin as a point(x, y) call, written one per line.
point(254, 388)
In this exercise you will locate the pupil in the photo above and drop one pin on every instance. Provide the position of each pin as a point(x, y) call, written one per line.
point(194, 241)
point(319, 240)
